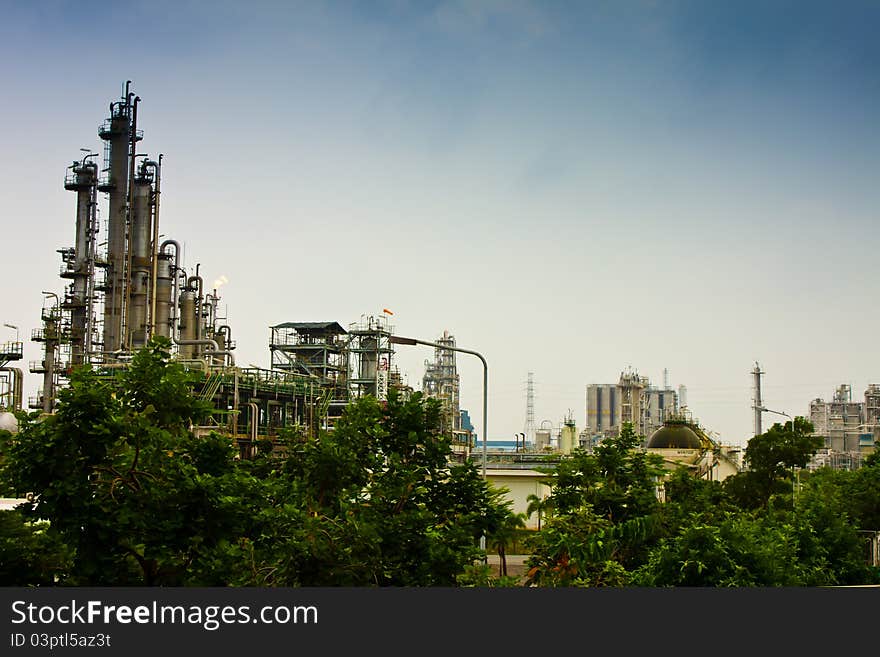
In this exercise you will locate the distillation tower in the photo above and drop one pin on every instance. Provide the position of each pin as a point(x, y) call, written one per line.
point(136, 288)
point(127, 287)
point(441, 381)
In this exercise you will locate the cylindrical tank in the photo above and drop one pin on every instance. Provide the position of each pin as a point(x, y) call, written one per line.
point(188, 321)
point(141, 223)
point(369, 362)
point(139, 245)
point(164, 286)
point(51, 333)
point(567, 438)
point(220, 339)
point(542, 439)
point(116, 130)
point(137, 316)
point(84, 179)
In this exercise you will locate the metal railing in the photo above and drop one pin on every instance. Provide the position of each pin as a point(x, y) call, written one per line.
point(11, 350)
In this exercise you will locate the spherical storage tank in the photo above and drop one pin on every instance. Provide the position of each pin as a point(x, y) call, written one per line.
point(8, 422)
point(674, 436)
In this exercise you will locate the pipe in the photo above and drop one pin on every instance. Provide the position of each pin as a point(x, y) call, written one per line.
point(216, 351)
point(90, 257)
point(255, 420)
point(126, 340)
point(200, 289)
point(157, 167)
point(17, 385)
point(211, 315)
point(50, 354)
point(227, 334)
point(174, 270)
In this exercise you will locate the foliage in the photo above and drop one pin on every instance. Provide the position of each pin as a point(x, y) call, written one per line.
point(771, 458)
point(832, 508)
point(506, 530)
point(601, 514)
point(119, 476)
point(757, 530)
point(740, 550)
point(374, 502)
point(133, 497)
point(123, 493)
point(480, 575)
point(29, 556)
point(538, 505)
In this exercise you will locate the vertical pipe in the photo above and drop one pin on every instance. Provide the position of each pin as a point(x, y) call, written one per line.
point(162, 296)
point(15, 393)
point(126, 308)
point(197, 308)
point(759, 404)
point(51, 337)
point(175, 269)
point(90, 264)
point(157, 166)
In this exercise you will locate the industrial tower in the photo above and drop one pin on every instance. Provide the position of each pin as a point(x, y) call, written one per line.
point(441, 381)
point(530, 438)
point(144, 290)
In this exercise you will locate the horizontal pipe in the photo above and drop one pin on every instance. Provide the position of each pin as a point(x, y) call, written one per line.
point(216, 351)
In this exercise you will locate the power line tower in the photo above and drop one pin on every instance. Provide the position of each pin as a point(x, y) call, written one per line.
point(530, 410)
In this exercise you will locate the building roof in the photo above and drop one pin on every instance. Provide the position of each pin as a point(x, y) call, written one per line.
point(312, 327)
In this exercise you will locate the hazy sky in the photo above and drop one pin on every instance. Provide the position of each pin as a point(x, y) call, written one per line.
point(570, 188)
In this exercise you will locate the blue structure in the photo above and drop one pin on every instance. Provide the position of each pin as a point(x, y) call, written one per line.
point(497, 444)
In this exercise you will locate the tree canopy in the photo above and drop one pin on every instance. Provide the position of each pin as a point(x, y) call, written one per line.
point(125, 493)
point(121, 492)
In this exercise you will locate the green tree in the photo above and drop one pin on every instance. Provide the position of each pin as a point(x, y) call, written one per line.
point(538, 505)
point(604, 514)
point(506, 530)
point(711, 540)
point(739, 549)
point(133, 497)
point(121, 479)
point(29, 555)
point(833, 507)
point(375, 502)
point(771, 459)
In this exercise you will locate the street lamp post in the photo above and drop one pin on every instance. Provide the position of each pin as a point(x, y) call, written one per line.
point(15, 328)
point(397, 339)
point(795, 476)
point(769, 410)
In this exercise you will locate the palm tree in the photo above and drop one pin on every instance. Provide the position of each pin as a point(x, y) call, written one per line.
point(541, 505)
point(504, 535)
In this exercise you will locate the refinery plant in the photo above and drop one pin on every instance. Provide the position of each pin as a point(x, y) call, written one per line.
point(125, 286)
point(126, 283)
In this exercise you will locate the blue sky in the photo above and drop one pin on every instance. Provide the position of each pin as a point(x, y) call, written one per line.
point(570, 188)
